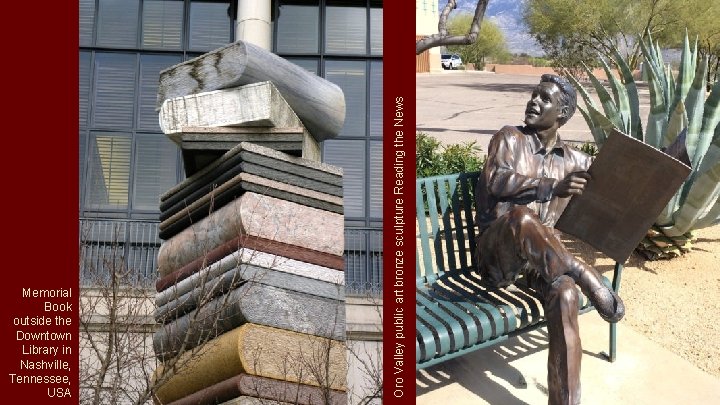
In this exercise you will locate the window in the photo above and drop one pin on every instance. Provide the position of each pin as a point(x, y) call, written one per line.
point(298, 26)
point(209, 25)
point(108, 171)
point(149, 72)
point(346, 28)
point(114, 84)
point(350, 155)
point(156, 24)
point(117, 23)
point(343, 38)
point(351, 77)
point(125, 160)
point(117, 161)
point(155, 171)
point(162, 24)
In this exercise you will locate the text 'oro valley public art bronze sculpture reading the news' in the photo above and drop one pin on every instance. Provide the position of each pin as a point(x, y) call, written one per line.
point(528, 179)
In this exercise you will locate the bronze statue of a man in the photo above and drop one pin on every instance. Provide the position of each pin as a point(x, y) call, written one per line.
point(529, 176)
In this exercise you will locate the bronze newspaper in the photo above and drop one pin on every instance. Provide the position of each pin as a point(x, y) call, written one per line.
point(631, 184)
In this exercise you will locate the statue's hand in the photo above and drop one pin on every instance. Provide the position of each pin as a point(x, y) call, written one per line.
point(573, 184)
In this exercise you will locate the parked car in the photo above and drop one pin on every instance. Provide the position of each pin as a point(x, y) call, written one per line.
point(449, 61)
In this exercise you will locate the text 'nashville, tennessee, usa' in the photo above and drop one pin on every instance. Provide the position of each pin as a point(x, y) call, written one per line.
point(44, 350)
point(398, 322)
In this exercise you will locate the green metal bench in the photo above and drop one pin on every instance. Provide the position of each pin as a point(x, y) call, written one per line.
point(455, 315)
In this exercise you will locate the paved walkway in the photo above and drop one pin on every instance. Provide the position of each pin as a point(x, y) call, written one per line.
point(459, 106)
point(515, 373)
point(462, 106)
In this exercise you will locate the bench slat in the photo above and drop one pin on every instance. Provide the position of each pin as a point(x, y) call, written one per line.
point(439, 331)
point(456, 327)
point(458, 223)
point(515, 300)
point(481, 314)
point(425, 346)
point(445, 211)
point(424, 234)
point(455, 313)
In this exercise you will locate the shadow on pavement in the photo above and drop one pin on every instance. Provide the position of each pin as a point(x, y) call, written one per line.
point(477, 377)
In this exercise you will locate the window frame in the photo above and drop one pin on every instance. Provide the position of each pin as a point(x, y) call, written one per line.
point(87, 128)
point(322, 56)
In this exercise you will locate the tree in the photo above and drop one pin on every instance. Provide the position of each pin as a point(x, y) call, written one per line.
point(573, 32)
point(117, 359)
point(701, 19)
point(490, 41)
point(444, 37)
point(118, 364)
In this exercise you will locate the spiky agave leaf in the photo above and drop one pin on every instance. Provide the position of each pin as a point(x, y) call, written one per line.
point(579, 87)
point(695, 105)
point(712, 217)
point(660, 63)
point(700, 205)
point(670, 84)
point(703, 195)
point(678, 120)
point(712, 155)
point(694, 56)
point(636, 130)
point(710, 120)
point(676, 124)
point(697, 141)
point(597, 132)
point(680, 114)
point(609, 106)
point(621, 97)
point(601, 122)
point(686, 74)
point(657, 119)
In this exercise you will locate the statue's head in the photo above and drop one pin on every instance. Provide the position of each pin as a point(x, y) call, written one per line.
point(553, 100)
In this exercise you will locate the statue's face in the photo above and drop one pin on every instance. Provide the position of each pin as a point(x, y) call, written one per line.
point(543, 109)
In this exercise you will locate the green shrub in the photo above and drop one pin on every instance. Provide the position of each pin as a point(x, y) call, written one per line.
point(539, 62)
point(426, 155)
point(461, 158)
point(589, 148)
point(433, 159)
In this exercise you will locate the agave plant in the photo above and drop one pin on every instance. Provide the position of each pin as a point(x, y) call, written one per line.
point(680, 110)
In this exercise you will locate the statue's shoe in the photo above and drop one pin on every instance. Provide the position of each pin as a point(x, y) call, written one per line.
point(608, 304)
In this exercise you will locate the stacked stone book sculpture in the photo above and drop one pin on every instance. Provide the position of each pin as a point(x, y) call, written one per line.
point(251, 301)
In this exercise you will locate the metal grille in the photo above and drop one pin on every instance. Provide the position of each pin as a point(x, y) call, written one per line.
point(363, 261)
point(124, 247)
point(129, 248)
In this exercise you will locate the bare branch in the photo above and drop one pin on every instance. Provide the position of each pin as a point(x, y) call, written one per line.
point(444, 38)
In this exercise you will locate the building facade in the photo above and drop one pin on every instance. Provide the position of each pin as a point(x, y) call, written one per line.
point(125, 160)
point(426, 23)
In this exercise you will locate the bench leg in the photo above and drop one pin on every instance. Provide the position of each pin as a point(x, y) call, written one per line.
point(612, 353)
point(613, 343)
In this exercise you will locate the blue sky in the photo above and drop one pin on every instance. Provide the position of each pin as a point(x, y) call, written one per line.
point(507, 15)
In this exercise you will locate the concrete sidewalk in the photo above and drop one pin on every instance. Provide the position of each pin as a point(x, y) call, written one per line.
point(461, 106)
point(515, 373)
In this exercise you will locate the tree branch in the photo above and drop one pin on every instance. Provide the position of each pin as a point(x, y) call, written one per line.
point(444, 38)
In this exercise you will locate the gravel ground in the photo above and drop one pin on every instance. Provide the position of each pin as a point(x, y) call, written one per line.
point(675, 303)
